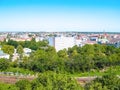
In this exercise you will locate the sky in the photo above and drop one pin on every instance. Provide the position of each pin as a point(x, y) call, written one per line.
point(60, 15)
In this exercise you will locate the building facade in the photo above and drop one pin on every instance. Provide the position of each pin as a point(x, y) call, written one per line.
point(61, 43)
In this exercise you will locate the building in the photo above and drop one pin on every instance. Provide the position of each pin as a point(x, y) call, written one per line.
point(37, 39)
point(93, 38)
point(114, 42)
point(21, 39)
point(27, 51)
point(78, 42)
point(4, 55)
point(62, 42)
point(103, 41)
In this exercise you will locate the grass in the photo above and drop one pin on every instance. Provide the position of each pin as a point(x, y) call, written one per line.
point(110, 70)
point(19, 71)
point(113, 70)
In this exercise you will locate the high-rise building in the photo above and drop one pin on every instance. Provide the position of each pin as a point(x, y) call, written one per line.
point(61, 43)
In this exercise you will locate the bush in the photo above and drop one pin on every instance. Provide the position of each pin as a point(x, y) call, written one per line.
point(4, 64)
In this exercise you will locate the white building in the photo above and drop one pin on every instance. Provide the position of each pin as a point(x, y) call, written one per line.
point(61, 43)
point(37, 39)
point(78, 42)
point(27, 51)
point(15, 57)
point(4, 55)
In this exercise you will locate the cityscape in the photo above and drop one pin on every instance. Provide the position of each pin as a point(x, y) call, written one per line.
point(59, 45)
point(18, 49)
point(65, 40)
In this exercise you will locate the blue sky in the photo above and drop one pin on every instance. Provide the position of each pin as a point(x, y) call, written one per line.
point(60, 15)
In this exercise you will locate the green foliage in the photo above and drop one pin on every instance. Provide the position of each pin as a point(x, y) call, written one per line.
point(42, 60)
point(19, 70)
point(98, 72)
point(53, 81)
point(35, 45)
point(96, 86)
point(28, 44)
point(12, 43)
point(8, 49)
point(87, 60)
point(14, 64)
point(23, 85)
point(19, 49)
point(45, 81)
point(107, 82)
point(4, 64)
point(75, 60)
point(4, 86)
point(63, 54)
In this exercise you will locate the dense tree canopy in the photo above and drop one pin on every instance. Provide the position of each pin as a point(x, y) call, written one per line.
point(45, 81)
point(4, 64)
point(44, 59)
point(28, 44)
point(107, 82)
point(76, 59)
point(8, 49)
point(53, 81)
point(4, 86)
point(19, 49)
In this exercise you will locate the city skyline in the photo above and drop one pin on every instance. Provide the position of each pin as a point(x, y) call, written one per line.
point(60, 15)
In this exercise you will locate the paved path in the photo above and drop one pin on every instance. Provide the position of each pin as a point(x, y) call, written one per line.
point(84, 80)
point(13, 79)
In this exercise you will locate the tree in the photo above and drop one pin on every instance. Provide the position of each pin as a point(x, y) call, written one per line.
point(107, 82)
point(13, 43)
point(63, 53)
point(4, 86)
point(19, 49)
point(88, 50)
point(8, 49)
point(23, 85)
point(53, 81)
point(96, 86)
point(74, 53)
point(100, 61)
point(4, 64)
